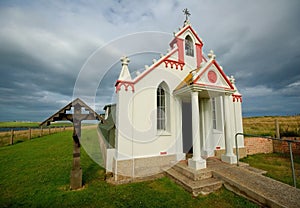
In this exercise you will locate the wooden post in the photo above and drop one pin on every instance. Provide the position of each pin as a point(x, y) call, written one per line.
point(12, 137)
point(41, 131)
point(277, 129)
point(49, 130)
point(29, 133)
point(76, 172)
point(64, 128)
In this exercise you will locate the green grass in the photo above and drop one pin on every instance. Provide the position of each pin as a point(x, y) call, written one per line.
point(11, 124)
point(277, 165)
point(36, 173)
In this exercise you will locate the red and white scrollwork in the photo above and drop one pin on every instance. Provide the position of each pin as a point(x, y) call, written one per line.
point(126, 84)
point(173, 63)
point(237, 98)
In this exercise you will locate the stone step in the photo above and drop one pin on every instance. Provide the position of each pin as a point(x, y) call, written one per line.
point(256, 187)
point(195, 175)
point(204, 186)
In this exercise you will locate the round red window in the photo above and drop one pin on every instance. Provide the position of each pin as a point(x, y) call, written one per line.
point(212, 76)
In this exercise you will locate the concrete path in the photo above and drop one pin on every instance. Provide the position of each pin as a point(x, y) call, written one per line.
point(249, 182)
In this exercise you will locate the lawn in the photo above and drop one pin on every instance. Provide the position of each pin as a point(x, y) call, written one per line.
point(36, 173)
point(278, 166)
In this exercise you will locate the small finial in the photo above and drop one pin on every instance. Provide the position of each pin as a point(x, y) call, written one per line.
point(232, 79)
point(211, 55)
point(125, 60)
point(187, 14)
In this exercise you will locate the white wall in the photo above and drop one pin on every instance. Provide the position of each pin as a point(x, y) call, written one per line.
point(137, 134)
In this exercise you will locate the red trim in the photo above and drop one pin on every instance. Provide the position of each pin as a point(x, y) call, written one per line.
point(173, 42)
point(200, 75)
point(180, 50)
point(237, 98)
point(193, 31)
point(153, 66)
point(219, 69)
point(171, 53)
point(199, 54)
point(218, 147)
point(163, 153)
point(119, 83)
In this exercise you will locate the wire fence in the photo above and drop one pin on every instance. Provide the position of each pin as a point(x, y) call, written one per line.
point(16, 136)
point(288, 141)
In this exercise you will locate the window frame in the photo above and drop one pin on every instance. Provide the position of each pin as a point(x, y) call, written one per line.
point(163, 109)
point(214, 114)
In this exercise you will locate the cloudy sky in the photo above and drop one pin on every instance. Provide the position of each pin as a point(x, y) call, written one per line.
point(45, 47)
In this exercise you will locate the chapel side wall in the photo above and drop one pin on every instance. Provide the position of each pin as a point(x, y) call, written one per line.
point(123, 122)
point(148, 141)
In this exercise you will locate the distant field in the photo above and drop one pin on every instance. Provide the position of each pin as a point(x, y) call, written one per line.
point(265, 125)
point(289, 125)
point(15, 124)
point(9, 124)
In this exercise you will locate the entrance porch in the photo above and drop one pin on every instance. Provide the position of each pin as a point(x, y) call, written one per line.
point(206, 119)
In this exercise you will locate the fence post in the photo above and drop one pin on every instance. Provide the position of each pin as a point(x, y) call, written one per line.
point(277, 129)
point(41, 131)
point(292, 164)
point(12, 137)
point(49, 129)
point(29, 133)
point(64, 128)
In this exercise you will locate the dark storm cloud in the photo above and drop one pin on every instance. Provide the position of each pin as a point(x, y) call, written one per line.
point(44, 45)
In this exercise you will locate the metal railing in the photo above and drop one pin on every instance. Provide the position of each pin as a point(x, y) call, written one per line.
point(276, 139)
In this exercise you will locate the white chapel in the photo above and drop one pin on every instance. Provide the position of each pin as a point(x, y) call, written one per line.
point(182, 107)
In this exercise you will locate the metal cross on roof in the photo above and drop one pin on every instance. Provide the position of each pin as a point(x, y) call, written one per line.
point(186, 13)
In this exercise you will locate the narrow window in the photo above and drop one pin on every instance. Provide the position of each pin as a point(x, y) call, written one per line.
point(189, 46)
point(161, 108)
point(214, 114)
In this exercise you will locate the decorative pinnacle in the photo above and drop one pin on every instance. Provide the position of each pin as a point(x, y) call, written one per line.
point(232, 79)
point(211, 54)
point(125, 60)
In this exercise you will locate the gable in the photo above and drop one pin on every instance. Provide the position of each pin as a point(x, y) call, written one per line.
point(212, 76)
point(187, 30)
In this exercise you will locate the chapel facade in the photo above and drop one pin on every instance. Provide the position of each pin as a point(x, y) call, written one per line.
point(182, 107)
